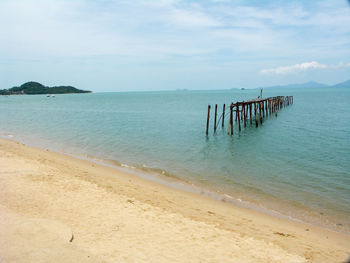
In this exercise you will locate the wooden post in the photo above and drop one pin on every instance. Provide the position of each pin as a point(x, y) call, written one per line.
point(244, 116)
point(267, 112)
point(223, 115)
point(238, 119)
point(216, 112)
point(208, 120)
point(263, 110)
point(236, 114)
point(231, 118)
point(246, 110)
point(271, 105)
point(250, 113)
point(260, 113)
point(256, 117)
point(275, 105)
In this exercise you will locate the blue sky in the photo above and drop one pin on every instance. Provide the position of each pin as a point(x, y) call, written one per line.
point(110, 45)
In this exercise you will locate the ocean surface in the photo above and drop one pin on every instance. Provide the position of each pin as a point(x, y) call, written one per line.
point(295, 165)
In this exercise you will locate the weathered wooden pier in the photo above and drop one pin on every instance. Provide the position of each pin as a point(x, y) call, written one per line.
point(255, 110)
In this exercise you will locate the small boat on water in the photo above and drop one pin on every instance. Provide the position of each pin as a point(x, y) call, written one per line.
point(52, 95)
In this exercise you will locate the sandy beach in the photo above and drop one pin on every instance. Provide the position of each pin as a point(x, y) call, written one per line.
point(56, 208)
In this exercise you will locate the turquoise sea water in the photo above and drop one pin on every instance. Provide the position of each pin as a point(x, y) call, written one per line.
point(297, 164)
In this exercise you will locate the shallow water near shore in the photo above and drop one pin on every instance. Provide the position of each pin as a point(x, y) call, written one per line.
point(297, 164)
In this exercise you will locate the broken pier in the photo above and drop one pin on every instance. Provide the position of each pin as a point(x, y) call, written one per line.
point(255, 110)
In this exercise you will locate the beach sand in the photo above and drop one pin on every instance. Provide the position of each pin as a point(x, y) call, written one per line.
point(56, 208)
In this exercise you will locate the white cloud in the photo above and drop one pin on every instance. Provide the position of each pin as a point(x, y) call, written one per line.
point(294, 68)
point(340, 65)
point(155, 30)
point(187, 18)
point(302, 67)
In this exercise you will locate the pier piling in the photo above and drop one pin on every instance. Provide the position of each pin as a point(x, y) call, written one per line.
point(216, 112)
point(260, 115)
point(244, 116)
point(255, 114)
point(223, 115)
point(238, 119)
point(208, 120)
point(250, 114)
point(231, 118)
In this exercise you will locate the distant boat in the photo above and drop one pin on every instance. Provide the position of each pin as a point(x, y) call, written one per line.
point(242, 88)
point(52, 95)
point(47, 95)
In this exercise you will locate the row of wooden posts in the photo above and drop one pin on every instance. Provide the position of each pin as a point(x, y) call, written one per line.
point(244, 111)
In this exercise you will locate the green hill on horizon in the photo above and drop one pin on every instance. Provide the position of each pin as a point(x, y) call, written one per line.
point(33, 88)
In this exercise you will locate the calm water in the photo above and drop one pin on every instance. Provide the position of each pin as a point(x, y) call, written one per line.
point(297, 164)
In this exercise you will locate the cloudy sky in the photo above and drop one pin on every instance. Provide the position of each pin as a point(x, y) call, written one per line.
point(119, 45)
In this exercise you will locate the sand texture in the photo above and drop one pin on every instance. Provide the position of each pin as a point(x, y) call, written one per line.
point(56, 208)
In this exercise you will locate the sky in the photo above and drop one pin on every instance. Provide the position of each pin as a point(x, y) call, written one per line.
point(137, 45)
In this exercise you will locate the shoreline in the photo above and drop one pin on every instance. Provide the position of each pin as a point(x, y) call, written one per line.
point(114, 215)
point(243, 201)
point(276, 208)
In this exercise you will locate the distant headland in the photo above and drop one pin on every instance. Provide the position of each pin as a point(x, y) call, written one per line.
point(33, 88)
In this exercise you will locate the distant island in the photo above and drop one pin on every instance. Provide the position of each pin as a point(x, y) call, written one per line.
point(307, 85)
point(33, 88)
point(311, 84)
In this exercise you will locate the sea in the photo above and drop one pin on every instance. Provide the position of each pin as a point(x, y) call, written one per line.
point(295, 165)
